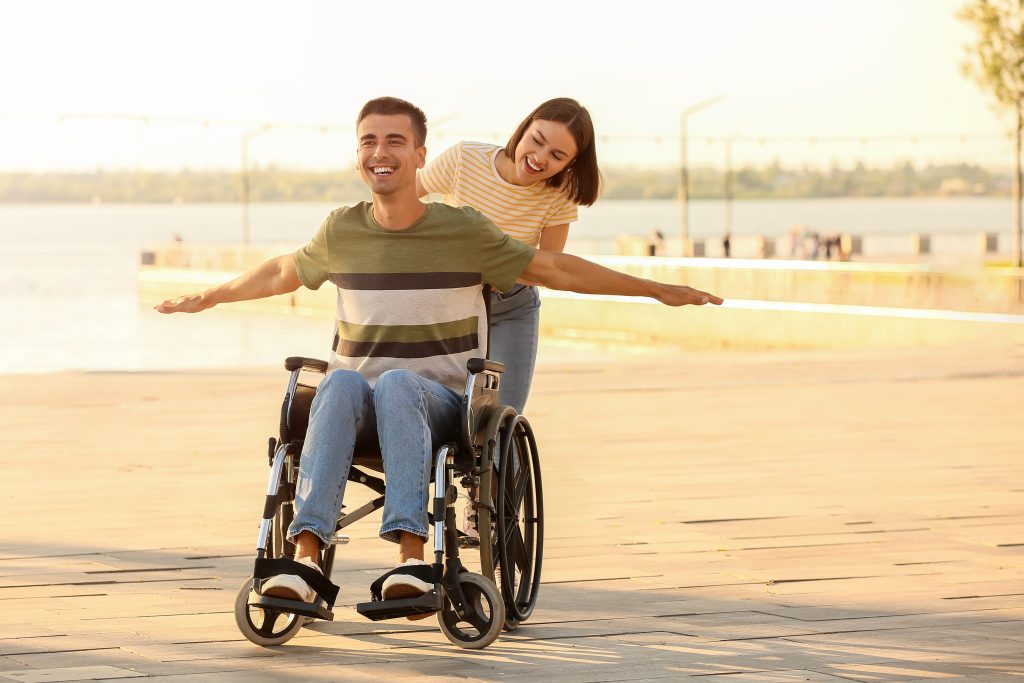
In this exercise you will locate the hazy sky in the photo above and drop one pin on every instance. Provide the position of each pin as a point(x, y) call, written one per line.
point(786, 68)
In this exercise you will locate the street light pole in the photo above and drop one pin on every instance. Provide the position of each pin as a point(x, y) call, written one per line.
point(245, 180)
point(684, 174)
point(728, 185)
point(1017, 256)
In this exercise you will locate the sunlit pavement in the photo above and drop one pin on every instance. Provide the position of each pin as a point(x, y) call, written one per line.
point(768, 516)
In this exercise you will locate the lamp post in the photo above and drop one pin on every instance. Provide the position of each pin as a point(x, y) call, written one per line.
point(684, 174)
point(245, 179)
point(728, 185)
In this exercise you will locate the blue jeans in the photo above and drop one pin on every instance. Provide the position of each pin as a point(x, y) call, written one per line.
point(515, 317)
point(410, 415)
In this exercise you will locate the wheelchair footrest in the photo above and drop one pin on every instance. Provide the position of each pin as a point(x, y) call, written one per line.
point(317, 610)
point(392, 609)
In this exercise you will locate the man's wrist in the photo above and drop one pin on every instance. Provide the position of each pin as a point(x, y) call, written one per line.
point(653, 289)
point(206, 300)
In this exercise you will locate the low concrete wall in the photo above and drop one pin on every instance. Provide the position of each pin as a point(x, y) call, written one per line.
point(744, 322)
point(747, 324)
point(992, 290)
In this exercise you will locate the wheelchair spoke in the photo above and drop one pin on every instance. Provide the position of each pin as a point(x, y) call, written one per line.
point(510, 511)
point(518, 549)
point(511, 506)
point(510, 544)
point(270, 617)
point(511, 556)
point(475, 615)
point(521, 486)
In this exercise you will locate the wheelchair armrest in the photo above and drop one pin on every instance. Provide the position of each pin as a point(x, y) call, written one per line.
point(476, 365)
point(295, 362)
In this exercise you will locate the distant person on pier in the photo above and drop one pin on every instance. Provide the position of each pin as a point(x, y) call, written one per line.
point(656, 244)
point(727, 244)
point(796, 241)
point(814, 240)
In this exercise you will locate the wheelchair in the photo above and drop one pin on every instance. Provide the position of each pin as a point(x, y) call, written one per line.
point(495, 459)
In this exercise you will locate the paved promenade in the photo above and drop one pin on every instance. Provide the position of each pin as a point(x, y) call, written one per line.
point(727, 516)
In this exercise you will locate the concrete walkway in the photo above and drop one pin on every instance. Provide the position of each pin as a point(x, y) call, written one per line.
point(776, 516)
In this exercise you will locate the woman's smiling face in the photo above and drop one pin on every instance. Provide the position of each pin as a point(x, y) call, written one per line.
point(545, 150)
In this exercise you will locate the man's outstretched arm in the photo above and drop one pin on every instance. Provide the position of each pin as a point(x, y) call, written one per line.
point(276, 276)
point(564, 271)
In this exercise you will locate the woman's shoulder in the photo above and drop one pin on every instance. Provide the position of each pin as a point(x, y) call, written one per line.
point(482, 150)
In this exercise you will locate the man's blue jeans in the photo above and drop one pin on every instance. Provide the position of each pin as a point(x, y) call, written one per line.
point(412, 417)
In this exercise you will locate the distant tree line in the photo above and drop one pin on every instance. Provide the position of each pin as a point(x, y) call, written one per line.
point(774, 181)
point(273, 184)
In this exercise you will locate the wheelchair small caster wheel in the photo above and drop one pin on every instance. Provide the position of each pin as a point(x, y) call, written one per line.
point(485, 614)
point(261, 626)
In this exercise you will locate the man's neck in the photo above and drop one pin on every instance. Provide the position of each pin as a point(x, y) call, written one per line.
point(397, 212)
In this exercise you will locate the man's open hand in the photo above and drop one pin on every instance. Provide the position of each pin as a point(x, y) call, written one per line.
point(190, 303)
point(681, 295)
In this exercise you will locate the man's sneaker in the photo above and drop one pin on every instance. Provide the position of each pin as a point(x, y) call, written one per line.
point(401, 585)
point(290, 586)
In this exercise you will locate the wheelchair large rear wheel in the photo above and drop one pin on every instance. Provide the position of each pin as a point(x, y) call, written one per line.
point(519, 523)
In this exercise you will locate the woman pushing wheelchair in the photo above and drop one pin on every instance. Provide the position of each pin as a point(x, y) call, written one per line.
point(410, 315)
point(530, 189)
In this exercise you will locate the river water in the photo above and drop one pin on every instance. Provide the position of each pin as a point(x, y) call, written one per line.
point(69, 296)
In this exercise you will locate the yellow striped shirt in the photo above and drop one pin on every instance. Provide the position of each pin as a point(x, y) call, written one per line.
point(465, 175)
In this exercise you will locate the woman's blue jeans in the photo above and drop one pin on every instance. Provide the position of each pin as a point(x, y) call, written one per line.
point(515, 319)
point(410, 415)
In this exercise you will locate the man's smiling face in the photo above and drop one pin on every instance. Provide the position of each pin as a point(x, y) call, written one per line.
point(389, 153)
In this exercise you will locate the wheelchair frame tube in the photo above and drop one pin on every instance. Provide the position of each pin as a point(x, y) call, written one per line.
point(441, 483)
point(271, 502)
point(293, 381)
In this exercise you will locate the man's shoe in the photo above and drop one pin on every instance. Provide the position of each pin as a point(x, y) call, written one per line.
point(405, 585)
point(290, 586)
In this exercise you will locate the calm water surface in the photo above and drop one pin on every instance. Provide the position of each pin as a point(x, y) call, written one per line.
point(69, 296)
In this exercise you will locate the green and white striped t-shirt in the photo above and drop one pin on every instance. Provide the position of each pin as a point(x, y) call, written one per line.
point(411, 298)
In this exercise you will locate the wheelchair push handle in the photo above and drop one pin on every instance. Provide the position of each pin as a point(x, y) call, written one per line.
point(293, 363)
point(476, 365)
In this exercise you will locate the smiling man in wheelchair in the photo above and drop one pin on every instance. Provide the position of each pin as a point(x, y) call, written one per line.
point(410, 316)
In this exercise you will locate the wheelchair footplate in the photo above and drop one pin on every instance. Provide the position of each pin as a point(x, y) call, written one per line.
point(317, 609)
point(326, 591)
point(377, 610)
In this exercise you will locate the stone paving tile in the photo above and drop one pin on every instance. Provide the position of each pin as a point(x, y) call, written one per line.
point(741, 655)
point(77, 673)
point(924, 647)
point(8, 664)
point(914, 671)
point(112, 656)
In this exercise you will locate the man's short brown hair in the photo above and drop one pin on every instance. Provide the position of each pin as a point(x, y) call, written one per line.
point(390, 106)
